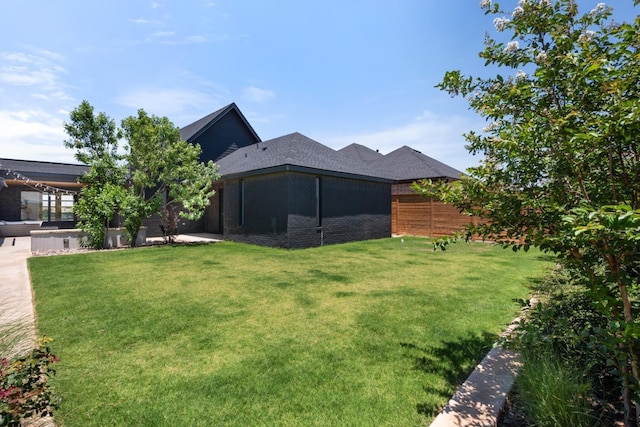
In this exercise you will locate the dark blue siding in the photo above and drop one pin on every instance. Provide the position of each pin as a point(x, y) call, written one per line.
point(223, 137)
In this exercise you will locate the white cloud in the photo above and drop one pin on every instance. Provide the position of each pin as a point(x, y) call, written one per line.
point(436, 136)
point(53, 96)
point(167, 102)
point(53, 56)
point(258, 117)
point(196, 39)
point(255, 94)
point(22, 76)
point(33, 135)
point(164, 34)
point(184, 41)
point(41, 71)
point(33, 90)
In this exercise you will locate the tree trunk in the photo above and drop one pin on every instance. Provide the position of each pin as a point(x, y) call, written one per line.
point(631, 412)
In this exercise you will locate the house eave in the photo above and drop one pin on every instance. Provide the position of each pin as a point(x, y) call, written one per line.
point(432, 178)
point(306, 170)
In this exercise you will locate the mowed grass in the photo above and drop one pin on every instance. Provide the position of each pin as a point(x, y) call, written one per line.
point(375, 333)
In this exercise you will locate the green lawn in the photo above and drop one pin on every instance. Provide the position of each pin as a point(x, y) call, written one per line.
point(375, 333)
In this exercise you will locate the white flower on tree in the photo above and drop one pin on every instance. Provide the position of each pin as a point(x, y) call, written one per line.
point(587, 36)
point(512, 46)
point(521, 76)
point(541, 57)
point(600, 7)
point(501, 23)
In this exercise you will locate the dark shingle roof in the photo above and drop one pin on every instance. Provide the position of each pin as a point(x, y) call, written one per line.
point(360, 152)
point(191, 131)
point(42, 171)
point(294, 150)
point(407, 164)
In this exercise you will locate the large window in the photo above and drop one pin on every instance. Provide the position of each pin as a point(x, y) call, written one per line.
point(38, 206)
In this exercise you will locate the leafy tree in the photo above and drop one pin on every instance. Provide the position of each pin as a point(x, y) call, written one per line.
point(95, 139)
point(157, 168)
point(164, 171)
point(561, 168)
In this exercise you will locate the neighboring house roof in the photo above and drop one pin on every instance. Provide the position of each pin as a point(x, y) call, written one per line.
point(293, 152)
point(360, 152)
point(407, 164)
point(42, 171)
point(192, 131)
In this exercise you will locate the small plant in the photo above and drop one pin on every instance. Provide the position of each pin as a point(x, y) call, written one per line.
point(24, 386)
point(555, 392)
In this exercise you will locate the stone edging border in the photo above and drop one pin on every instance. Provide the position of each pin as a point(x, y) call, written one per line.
point(478, 402)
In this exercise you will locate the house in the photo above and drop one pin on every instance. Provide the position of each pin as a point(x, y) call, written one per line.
point(42, 193)
point(290, 192)
point(294, 192)
point(410, 213)
point(218, 134)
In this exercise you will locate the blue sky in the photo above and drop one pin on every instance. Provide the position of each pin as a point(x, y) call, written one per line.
point(337, 71)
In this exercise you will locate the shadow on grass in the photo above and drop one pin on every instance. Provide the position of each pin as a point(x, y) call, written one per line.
point(452, 361)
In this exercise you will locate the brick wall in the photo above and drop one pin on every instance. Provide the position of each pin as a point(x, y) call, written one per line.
point(355, 210)
point(265, 210)
point(301, 221)
point(10, 203)
point(280, 210)
point(212, 222)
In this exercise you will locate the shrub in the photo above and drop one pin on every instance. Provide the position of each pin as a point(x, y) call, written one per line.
point(565, 323)
point(569, 375)
point(554, 392)
point(24, 387)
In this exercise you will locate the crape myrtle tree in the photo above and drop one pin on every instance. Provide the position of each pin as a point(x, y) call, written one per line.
point(156, 169)
point(561, 168)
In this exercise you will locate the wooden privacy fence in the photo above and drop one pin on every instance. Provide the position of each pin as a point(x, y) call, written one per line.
point(415, 215)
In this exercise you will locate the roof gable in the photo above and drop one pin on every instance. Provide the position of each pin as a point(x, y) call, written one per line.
point(195, 129)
